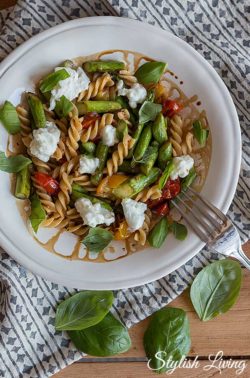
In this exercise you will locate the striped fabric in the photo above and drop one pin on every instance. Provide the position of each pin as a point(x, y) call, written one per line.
point(29, 345)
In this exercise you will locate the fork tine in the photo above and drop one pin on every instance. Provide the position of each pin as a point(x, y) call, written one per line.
point(213, 220)
point(196, 229)
point(214, 209)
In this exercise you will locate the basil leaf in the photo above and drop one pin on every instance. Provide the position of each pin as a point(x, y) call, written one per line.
point(37, 214)
point(148, 111)
point(50, 81)
point(188, 180)
point(216, 288)
point(9, 118)
point(106, 338)
point(63, 107)
point(179, 230)
point(150, 72)
point(199, 133)
point(83, 310)
point(166, 174)
point(13, 164)
point(167, 338)
point(97, 239)
point(158, 234)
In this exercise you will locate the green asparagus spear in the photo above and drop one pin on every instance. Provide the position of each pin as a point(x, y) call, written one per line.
point(88, 147)
point(37, 110)
point(103, 66)
point(127, 168)
point(143, 143)
point(68, 63)
point(132, 186)
point(136, 137)
point(159, 129)
point(149, 159)
point(22, 189)
point(121, 129)
point(79, 192)
point(102, 155)
point(166, 174)
point(165, 154)
point(97, 106)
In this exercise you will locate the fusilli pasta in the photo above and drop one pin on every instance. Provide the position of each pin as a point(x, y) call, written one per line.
point(26, 131)
point(92, 132)
point(176, 132)
point(119, 155)
point(141, 235)
point(127, 77)
point(96, 87)
point(150, 193)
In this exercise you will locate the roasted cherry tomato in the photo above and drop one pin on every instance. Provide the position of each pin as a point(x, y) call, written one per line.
point(89, 119)
point(162, 209)
point(171, 107)
point(170, 190)
point(47, 182)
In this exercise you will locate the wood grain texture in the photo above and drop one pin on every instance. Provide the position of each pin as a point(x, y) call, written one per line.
point(7, 3)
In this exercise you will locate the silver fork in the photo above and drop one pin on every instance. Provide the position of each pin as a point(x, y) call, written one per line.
point(211, 225)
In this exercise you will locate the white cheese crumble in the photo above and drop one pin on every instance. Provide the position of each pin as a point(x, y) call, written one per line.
point(88, 164)
point(134, 213)
point(44, 142)
point(109, 137)
point(136, 94)
point(94, 214)
point(77, 82)
point(182, 166)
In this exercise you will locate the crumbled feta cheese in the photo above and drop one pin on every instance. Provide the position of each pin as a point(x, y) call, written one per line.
point(182, 166)
point(93, 215)
point(70, 87)
point(134, 213)
point(88, 164)
point(136, 94)
point(109, 137)
point(44, 142)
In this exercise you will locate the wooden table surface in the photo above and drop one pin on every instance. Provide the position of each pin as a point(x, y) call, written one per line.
point(229, 333)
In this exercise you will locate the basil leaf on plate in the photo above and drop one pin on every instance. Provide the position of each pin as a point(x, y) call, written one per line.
point(9, 118)
point(13, 164)
point(37, 214)
point(199, 133)
point(216, 288)
point(83, 310)
point(63, 107)
point(50, 81)
point(148, 111)
point(97, 239)
point(106, 338)
point(179, 230)
point(166, 174)
point(150, 72)
point(189, 179)
point(158, 234)
point(167, 338)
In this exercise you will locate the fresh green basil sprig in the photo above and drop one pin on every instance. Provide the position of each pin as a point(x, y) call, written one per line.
point(148, 111)
point(150, 72)
point(13, 164)
point(158, 234)
point(106, 338)
point(179, 230)
point(199, 133)
point(97, 239)
point(167, 338)
point(63, 107)
point(9, 118)
point(83, 310)
point(37, 214)
point(216, 288)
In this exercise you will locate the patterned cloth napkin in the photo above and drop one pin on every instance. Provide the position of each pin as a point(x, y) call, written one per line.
point(30, 347)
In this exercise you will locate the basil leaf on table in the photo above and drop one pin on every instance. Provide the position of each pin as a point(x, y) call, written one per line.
point(37, 214)
point(216, 288)
point(179, 230)
point(83, 310)
point(9, 118)
point(199, 133)
point(97, 239)
point(158, 234)
point(167, 338)
point(63, 107)
point(13, 164)
point(148, 111)
point(150, 72)
point(104, 339)
point(50, 81)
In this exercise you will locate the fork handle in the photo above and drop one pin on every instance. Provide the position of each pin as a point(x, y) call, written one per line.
point(240, 255)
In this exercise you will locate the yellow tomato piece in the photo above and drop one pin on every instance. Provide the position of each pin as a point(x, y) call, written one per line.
point(115, 180)
point(122, 232)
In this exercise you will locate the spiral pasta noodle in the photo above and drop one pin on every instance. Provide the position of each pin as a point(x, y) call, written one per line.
point(45, 198)
point(96, 87)
point(63, 198)
point(74, 134)
point(187, 144)
point(141, 235)
point(25, 124)
point(127, 77)
point(119, 155)
point(60, 150)
point(55, 220)
point(151, 193)
point(93, 131)
point(84, 181)
point(40, 165)
point(176, 132)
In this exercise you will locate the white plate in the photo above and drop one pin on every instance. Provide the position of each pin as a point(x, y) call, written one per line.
point(84, 37)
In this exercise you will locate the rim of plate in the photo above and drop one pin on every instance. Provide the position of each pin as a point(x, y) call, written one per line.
point(11, 59)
